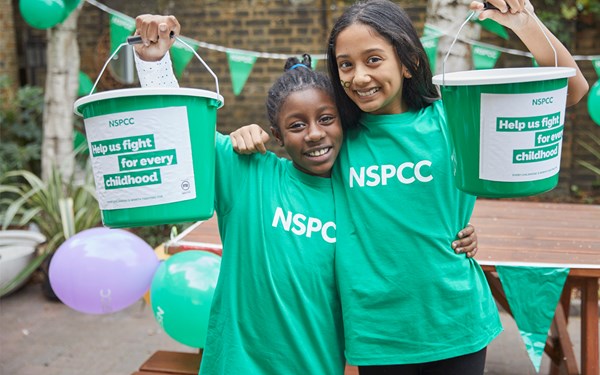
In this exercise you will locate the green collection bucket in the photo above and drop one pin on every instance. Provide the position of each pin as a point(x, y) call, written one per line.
point(506, 126)
point(152, 152)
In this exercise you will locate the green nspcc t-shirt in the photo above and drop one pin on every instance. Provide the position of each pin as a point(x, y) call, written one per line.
point(406, 296)
point(276, 309)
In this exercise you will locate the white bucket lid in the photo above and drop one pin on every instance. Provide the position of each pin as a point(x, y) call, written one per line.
point(498, 76)
point(143, 91)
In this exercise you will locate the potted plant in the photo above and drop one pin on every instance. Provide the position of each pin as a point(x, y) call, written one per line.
point(59, 208)
point(17, 250)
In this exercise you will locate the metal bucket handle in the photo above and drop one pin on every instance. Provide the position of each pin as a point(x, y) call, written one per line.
point(136, 39)
point(469, 16)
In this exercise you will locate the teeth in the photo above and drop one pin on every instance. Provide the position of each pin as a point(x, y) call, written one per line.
point(320, 152)
point(370, 92)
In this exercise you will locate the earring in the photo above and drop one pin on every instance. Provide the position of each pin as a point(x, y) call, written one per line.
point(345, 84)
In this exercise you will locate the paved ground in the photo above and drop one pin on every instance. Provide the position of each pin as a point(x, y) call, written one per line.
point(40, 337)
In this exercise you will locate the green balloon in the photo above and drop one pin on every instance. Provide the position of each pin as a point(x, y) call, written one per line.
point(43, 14)
point(181, 295)
point(85, 84)
point(70, 5)
point(594, 102)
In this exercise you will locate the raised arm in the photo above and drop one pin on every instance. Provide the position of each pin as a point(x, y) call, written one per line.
point(519, 16)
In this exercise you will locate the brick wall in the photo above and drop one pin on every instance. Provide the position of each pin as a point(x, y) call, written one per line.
point(282, 26)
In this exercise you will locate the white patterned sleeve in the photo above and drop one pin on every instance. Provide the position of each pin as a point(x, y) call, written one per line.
point(156, 73)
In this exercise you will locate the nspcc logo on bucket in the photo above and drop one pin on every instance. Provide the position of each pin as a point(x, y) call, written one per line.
point(141, 158)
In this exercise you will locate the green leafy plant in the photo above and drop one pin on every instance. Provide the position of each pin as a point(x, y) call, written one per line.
point(593, 148)
point(21, 129)
point(60, 208)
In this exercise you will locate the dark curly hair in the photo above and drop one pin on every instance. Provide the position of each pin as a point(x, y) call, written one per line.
point(391, 22)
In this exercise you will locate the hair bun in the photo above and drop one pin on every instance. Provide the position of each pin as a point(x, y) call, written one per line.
point(293, 63)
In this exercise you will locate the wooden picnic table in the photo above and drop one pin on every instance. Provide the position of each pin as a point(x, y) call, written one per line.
point(558, 235)
point(520, 234)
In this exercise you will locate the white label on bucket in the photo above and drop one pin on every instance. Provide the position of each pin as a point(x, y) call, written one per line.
point(521, 135)
point(141, 158)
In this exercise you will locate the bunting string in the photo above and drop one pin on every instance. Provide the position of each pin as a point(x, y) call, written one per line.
point(280, 56)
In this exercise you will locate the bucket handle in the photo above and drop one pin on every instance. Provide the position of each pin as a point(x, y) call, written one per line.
point(135, 40)
point(469, 16)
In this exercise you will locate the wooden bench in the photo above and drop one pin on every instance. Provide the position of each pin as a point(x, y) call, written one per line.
point(169, 363)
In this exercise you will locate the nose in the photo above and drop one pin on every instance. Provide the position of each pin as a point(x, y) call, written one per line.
point(314, 133)
point(361, 76)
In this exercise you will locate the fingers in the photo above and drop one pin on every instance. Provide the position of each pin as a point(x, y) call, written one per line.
point(465, 245)
point(467, 241)
point(167, 31)
point(466, 231)
point(157, 29)
point(472, 253)
point(238, 143)
point(249, 139)
point(258, 139)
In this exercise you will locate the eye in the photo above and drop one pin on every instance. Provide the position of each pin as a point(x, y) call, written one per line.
point(344, 65)
point(374, 59)
point(326, 119)
point(296, 125)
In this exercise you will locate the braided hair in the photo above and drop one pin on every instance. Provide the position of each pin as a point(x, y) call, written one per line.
point(298, 76)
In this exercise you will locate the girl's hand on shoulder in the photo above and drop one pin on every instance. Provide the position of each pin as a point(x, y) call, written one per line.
point(249, 139)
point(467, 242)
point(156, 34)
point(514, 14)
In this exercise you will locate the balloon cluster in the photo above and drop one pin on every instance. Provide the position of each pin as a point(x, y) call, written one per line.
point(44, 14)
point(101, 271)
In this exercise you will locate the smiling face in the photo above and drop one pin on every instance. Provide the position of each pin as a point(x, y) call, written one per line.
point(310, 130)
point(370, 70)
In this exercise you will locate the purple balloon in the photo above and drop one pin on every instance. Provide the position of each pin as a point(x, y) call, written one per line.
point(102, 270)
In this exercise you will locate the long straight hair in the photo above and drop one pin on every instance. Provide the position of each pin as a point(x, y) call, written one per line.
point(391, 22)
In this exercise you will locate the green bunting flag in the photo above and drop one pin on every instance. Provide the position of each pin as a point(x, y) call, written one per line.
point(240, 66)
point(121, 27)
point(493, 27)
point(430, 44)
point(484, 57)
point(181, 55)
point(85, 84)
point(429, 30)
point(533, 294)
